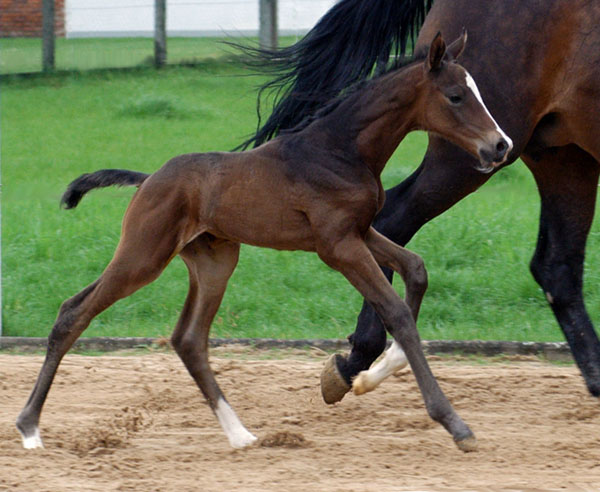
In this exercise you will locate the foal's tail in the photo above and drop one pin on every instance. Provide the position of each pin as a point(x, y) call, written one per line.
point(99, 179)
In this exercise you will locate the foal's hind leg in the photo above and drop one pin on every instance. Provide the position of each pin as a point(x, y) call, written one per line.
point(210, 263)
point(142, 254)
point(74, 317)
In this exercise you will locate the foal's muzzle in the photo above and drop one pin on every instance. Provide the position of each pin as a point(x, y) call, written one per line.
point(490, 157)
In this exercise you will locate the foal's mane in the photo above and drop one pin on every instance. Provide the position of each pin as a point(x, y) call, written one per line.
point(351, 40)
point(334, 103)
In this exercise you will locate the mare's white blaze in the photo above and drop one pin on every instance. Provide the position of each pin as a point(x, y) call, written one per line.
point(238, 435)
point(473, 86)
point(393, 360)
point(34, 441)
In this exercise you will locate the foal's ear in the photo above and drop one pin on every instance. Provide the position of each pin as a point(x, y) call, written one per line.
point(457, 46)
point(437, 50)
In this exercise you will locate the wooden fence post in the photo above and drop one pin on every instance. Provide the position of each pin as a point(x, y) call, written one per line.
point(48, 42)
point(267, 34)
point(160, 33)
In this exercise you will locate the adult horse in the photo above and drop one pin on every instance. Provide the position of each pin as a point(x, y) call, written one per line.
point(317, 188)
point(538, 67)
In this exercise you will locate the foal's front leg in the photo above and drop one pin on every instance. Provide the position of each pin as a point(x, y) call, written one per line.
point(411, 268)
point(354, 260)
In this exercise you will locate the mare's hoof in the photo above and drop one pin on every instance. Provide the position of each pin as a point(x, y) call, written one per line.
point(468, 444)
point(333, 385)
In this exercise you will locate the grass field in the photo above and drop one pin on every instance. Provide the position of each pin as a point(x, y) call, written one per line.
point(56, 127)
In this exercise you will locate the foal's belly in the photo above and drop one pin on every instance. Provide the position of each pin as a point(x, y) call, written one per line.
point(260, 212)
point(266, 228)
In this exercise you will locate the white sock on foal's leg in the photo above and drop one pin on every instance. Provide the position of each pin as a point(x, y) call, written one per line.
point(393, 360)
point(238, 435)
point(34, 441)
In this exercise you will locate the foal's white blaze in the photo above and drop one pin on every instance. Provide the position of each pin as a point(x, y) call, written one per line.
point(473, 86)
point(393, 360)
point(238, 435)
point(34, 441)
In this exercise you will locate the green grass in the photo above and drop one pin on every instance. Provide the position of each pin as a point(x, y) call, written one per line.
point(56, 127)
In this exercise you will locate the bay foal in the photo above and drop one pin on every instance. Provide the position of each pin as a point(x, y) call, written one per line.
point(317, 188)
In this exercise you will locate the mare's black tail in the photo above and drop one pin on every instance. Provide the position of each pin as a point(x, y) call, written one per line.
point(343, 48)
point(99, 179)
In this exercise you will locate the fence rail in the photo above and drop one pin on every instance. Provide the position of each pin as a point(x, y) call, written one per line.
point(140, 42)
point(552, 351)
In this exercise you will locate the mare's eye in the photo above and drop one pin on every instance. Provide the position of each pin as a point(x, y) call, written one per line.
point(455, 99)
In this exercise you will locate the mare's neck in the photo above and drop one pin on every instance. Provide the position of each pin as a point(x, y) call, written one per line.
point(380, 116)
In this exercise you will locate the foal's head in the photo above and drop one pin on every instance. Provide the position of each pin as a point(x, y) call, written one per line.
point(454, 109)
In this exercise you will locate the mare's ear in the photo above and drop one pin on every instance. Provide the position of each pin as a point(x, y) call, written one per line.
point(457, 46)
point(437, 50)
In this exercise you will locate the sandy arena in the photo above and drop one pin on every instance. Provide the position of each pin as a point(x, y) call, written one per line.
point(138, 423)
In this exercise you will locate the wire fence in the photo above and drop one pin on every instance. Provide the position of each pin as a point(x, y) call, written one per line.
point(117, 34)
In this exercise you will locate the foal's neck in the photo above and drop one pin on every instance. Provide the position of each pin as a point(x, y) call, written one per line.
point(381, 115)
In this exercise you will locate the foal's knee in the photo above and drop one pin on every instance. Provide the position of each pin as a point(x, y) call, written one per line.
point(179, 343)
point(417, 278)
point(399, 321)
point(68, 317)
point(187, 344)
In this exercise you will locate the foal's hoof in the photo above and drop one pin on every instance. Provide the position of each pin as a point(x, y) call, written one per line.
point(468, 444)
point(333, 385)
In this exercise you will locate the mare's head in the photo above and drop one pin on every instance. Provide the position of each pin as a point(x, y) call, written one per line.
point(453, 108)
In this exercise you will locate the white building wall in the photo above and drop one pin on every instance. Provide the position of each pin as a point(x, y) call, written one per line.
point(110, 18)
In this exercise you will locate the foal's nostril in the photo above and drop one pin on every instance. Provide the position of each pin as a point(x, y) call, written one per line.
point(502, 147)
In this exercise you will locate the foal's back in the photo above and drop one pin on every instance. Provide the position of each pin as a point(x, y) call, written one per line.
point(265, 197)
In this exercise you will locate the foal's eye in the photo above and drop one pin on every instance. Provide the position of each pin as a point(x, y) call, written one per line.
point(455, 99)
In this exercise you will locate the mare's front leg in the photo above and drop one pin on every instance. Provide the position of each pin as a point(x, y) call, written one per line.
point(445, 176)
point(210, 263)
point(354, 260)
point(567, 179)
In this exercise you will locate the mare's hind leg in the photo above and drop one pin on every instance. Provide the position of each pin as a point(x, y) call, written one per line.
point(141, 256)
point(393, 360)
point(210, 263)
